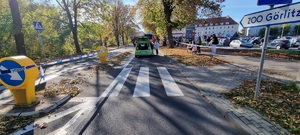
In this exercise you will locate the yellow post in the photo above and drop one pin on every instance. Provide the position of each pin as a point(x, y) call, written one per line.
point(20, 79)
point(102, 54)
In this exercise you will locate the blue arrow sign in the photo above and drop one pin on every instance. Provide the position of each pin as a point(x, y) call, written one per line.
point(37, 25)
point(13, 78)
point(273, 2)
point(279, 15)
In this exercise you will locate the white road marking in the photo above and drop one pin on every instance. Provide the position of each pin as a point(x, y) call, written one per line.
point(142, 87)
point(170, 85)
point(73, 123)
point(115, 87)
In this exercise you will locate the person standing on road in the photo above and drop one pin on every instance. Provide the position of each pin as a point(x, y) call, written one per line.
point(156, 47)
point(215, 42)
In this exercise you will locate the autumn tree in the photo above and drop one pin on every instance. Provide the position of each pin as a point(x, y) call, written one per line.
point(274, 31)
point(71, 8)
point(285, 29)
point(296, 29)
point(173, 14)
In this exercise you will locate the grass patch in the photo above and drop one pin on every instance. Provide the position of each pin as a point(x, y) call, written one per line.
point(189, 59)
point(278, 102)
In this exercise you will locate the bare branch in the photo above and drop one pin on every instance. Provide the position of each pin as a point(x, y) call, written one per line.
point(55, 19)
point(60, 4)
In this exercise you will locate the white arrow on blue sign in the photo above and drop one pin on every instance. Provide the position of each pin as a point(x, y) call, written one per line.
point(37, 25)
point(13, 78)
point(279, 15)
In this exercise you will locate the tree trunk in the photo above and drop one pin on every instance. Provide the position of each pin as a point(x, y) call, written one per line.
point(17, 23)
point(117, 39)
point(168, 12)
point(123, 38)
point(73, 27)
point(75, 38)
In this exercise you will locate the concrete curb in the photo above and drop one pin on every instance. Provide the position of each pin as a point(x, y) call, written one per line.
point(242, 127)
point(44, 110)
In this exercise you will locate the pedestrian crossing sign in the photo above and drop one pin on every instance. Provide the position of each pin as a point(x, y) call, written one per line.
point(37, 25)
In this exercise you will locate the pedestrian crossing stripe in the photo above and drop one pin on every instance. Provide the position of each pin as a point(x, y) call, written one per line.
point(142, 87)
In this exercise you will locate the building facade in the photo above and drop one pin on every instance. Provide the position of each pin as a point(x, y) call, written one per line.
point(222, 27)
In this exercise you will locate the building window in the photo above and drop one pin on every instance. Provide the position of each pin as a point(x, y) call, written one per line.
point(227, 22)
point(221, 23)
point(211, 24)
point(206, 24)
point(216, 24)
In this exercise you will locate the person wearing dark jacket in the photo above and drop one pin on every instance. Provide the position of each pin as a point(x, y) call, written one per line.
point(215, 42)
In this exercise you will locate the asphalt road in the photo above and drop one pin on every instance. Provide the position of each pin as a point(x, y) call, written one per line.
point(174, 108)
point(145, 95)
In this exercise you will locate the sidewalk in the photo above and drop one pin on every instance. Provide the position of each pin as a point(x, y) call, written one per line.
point(212, 81)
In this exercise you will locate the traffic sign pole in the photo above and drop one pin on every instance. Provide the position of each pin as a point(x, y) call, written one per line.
point(41, 40)
point(262, 60)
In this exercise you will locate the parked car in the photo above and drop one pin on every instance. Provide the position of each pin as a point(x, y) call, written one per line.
point(255, 40)
point(279, 44)
point(295, 41)
point(240, 43)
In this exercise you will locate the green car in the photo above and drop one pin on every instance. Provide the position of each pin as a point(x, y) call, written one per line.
point(143, 46)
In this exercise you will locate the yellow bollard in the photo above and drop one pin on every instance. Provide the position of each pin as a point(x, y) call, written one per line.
point(18, 74)
point(102, 54)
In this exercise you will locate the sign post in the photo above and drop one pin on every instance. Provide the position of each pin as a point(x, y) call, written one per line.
point(284, 14)
point(262, 60)
point(39, 27)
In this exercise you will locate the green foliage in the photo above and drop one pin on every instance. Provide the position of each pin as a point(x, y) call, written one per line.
point(296, 30)
point(261, 32)
point(293, 86)
point(274, 31)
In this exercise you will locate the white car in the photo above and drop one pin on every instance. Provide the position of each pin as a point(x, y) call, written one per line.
point(240, 43)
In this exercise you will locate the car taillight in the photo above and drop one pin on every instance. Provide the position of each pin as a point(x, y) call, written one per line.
point(282, 42)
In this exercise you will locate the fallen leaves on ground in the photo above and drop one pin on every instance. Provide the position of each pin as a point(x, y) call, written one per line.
point(65, 86)
point(9, 124)
point(278, 102)
point(186, 57)
point(274, 54)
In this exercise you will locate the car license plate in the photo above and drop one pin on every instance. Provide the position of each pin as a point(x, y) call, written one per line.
point(143, 52)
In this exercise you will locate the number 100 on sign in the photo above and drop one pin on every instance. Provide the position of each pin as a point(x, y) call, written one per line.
point(255, 19)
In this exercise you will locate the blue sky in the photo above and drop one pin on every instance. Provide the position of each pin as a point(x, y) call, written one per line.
point(236, 9)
